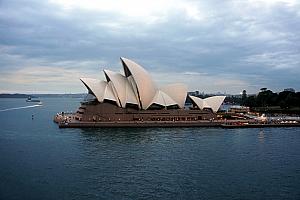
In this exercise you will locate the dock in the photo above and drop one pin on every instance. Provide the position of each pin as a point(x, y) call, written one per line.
point(69, 121)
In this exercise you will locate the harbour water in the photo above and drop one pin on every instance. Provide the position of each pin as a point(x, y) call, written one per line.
point(40, 161)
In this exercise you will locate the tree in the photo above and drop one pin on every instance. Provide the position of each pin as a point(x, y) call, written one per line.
point(244, 97)
point(263, 89)
point(263, 98)
point(250, 101)
point(284, 99)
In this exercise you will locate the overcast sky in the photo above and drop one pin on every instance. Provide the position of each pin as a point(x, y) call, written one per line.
point(212, 45)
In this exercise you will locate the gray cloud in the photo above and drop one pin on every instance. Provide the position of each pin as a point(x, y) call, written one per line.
point(234, 45)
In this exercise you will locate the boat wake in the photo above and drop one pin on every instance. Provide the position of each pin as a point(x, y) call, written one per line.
point(18, 108)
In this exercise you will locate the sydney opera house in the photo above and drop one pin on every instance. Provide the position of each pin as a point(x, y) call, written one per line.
point(133, 99)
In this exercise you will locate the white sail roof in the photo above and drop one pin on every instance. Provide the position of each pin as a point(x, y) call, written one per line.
point(121, 88)
point(110, 84)
point(145, 87)
point(163, 99)
point(199, 102)
point(177, 92)
point(99, 88)
point(109, 94)
point(137, 87)
point(131, 95)
point(215, 102)
point(211, 102)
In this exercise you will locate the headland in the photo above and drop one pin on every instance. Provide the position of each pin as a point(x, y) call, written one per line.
point(134, 100)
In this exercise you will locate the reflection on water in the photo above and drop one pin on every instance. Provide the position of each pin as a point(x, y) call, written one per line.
point(261, 136)
point(126, 135)
point(41, 161)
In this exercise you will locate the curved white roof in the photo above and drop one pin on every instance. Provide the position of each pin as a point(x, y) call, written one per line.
point(110, 84)
point(163, 99)
point(199, 102)
point(131, 95)
point(211, 102)
point(99, 88)
point(215, 102)
point(177, 92)
point(121, 88)
point(109, 94)
point(145, 87)
point(137, 87)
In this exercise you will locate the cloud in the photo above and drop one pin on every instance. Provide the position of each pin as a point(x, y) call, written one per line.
point(211, 40)
point(150, 12)
point(282, 60)
point(194, 73)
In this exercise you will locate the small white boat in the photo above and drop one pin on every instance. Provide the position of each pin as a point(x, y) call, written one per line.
point(32, 100)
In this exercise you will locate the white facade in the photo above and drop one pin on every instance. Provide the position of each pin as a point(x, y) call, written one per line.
point(137, 87)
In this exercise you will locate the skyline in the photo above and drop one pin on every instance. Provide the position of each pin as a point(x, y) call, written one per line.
point(212, 46)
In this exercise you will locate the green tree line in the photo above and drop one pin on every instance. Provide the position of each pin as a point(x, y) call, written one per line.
point(267, 98)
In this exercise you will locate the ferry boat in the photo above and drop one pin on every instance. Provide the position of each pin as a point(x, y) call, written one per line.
point(29, 99)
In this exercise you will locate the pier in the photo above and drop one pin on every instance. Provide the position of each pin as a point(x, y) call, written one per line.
point(68, 120)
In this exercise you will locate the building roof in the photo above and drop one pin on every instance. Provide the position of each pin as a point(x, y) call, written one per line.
point(121, 88)
point(211, 102)
point(101, 89)
point(137, 87)
point(176, 91)
point(145, 87)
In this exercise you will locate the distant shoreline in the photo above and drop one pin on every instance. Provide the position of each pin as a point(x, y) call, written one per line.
point(25, 96)
point(14, 95)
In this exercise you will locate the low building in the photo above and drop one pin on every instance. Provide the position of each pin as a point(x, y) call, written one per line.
point(239, 109)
